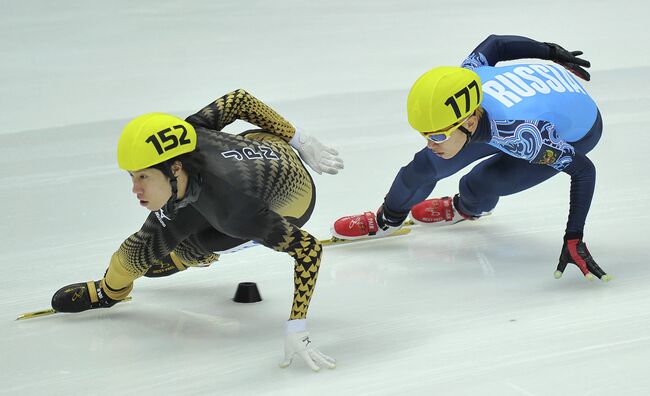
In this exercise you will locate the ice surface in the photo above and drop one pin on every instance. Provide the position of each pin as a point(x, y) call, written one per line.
point(468, 310)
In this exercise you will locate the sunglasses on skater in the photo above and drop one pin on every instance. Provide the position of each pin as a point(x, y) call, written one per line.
point(444, 134)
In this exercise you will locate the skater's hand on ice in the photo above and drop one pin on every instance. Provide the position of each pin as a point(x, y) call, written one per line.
point(318, 156)
point(574, 251)
point(297, 343)
point(570, 61)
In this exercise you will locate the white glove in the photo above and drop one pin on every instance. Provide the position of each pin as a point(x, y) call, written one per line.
point(319, 157)
point(298, 343)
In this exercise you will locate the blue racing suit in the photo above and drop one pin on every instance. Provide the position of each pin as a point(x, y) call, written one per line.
point(538, 121)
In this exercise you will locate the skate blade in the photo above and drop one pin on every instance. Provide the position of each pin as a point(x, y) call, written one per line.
point(47, 312)
point(338, 241)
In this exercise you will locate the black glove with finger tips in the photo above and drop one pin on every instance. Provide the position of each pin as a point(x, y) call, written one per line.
point(569, 60)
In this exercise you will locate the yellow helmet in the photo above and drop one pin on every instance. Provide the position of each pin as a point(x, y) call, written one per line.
point(153, 138)
point(443, 97)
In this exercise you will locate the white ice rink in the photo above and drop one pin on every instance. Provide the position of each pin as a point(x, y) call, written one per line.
point(468, 310)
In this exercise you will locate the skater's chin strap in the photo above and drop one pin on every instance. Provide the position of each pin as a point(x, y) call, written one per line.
point(467, 133)
point(170, 206)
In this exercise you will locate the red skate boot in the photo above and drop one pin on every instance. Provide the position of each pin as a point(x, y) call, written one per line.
point(362, 226)
point(438, 211)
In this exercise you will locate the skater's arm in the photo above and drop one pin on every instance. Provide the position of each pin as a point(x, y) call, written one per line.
point(496, 49)
point(248, 218)
point(540, 144)
point(241, 105)
point(547, 149)
point(306, 251)
point(278, 234)
point(583, 182)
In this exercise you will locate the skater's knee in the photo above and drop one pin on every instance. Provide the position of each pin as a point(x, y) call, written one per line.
point(474, 200)
point(476, 208)
point(185, 258)
point(475, 205)
point(168, 265)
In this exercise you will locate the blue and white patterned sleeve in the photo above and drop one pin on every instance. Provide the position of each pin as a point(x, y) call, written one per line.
point(475, 60)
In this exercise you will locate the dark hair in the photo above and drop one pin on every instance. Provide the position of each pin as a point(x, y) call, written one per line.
point(193, 163)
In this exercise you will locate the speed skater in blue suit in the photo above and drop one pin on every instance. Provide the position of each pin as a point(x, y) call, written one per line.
point(528, 122)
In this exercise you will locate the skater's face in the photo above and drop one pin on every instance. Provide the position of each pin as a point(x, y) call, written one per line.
point(450, 147)
point(151, 187)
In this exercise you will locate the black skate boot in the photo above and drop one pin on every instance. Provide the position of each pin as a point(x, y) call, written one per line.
point(80, 297)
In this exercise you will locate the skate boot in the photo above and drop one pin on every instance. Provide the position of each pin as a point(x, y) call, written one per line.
point(365, 225)
point(439, 211)
point(80, 297)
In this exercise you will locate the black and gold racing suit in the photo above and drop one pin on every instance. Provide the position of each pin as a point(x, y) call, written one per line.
point(254, 187)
